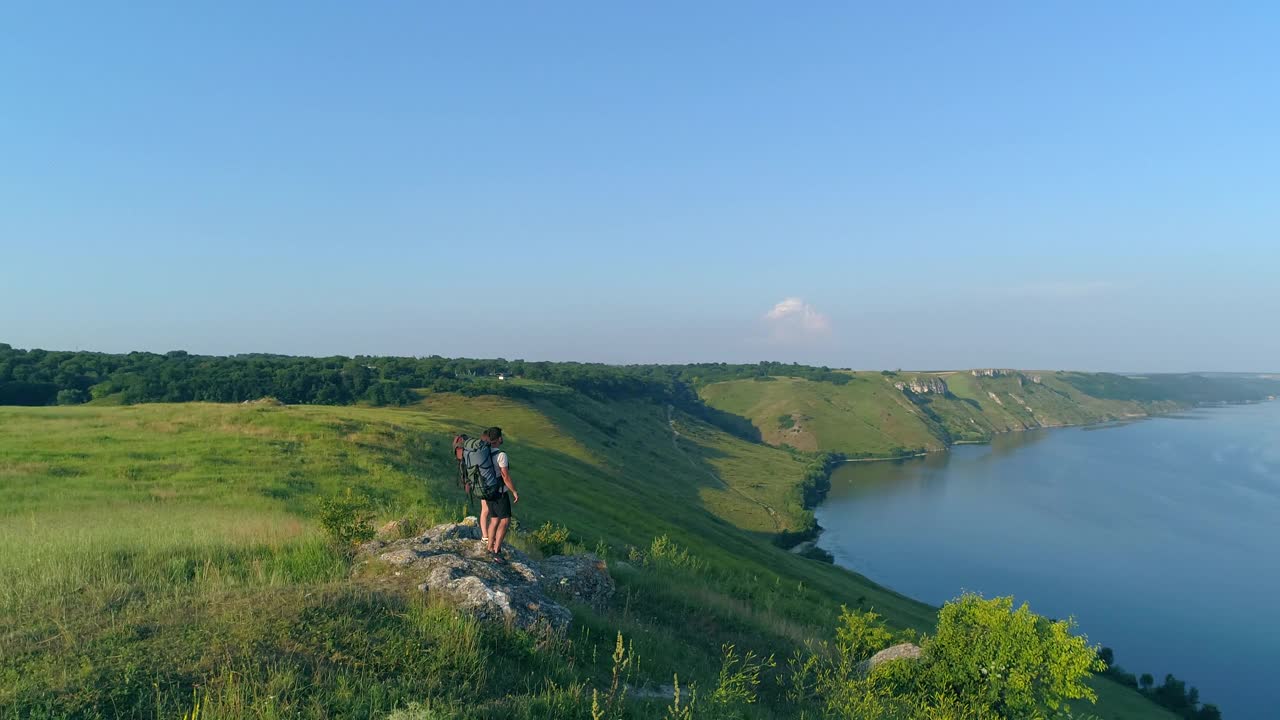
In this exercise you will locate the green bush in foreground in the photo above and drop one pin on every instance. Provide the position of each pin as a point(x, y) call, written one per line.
point(347, 519)
point(550, 539)
point(987, 660)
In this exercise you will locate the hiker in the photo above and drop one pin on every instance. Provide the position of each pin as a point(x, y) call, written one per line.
point(484, 504)
point(495, 514)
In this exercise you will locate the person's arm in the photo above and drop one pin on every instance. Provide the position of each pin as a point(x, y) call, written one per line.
point(506, 480)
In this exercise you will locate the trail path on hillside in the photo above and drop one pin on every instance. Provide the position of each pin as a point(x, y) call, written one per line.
point(675, 443)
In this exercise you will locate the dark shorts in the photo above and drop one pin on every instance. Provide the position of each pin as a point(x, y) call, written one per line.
point(500, 508)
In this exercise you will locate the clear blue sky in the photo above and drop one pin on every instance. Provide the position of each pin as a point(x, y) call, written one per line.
point(1083, 185)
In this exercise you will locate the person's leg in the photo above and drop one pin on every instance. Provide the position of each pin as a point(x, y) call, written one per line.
point(500, 532)
point(499, 519)
point(484, 521)
point(491, 532)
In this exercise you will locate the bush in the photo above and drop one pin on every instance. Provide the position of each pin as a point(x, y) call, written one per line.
point(859, 635)
point(666, 554)
point(347, 519)
point(1007, 662)
point(987, 660)
point(72, 396)
point(550, 539)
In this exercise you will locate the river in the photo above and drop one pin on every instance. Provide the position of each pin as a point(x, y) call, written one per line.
point(1161, 537)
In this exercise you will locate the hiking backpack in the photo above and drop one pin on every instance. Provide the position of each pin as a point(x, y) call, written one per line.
point(478, 471)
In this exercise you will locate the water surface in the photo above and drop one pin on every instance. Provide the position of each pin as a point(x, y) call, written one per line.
point(1161, 537)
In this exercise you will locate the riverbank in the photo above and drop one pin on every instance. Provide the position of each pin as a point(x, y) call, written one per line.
point(1041, 517)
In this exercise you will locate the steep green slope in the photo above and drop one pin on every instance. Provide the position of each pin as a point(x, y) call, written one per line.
point(886, 414)
point(865, 417)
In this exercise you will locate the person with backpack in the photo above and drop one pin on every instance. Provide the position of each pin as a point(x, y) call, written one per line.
point(488, 474)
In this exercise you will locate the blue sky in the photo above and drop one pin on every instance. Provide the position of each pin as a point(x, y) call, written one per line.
point(1082, 185)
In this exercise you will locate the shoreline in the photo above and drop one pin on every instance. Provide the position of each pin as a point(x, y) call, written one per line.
point(1127, 418)
point(848, 564)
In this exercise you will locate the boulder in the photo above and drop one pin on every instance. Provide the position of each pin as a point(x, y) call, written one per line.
point(584, 578)
point(448, 561)
point(903, 651)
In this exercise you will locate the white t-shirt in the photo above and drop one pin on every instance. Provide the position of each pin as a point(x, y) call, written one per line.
point(501, 460)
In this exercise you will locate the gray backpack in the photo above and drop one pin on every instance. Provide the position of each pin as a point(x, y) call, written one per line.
point(481, 468)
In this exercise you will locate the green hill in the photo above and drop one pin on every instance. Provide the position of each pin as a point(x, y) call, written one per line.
point(885, 414)
point(163, 559)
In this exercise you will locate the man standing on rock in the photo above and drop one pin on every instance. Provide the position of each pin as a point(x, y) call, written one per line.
point(495, 515)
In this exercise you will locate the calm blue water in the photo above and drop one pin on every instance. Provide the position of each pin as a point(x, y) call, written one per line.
point(1161, 537)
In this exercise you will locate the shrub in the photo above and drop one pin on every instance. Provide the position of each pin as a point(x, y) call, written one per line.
point(1007, 662)
point(550, 539)
point(666, 553)
point(72, 396)
point(859, 635)
point(347, 519)
point(739, 678)
point(987, 660)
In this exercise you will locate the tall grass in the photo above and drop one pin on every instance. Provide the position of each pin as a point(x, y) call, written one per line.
point(58, 559)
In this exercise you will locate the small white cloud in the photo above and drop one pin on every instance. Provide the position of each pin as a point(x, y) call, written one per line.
point(794, 319)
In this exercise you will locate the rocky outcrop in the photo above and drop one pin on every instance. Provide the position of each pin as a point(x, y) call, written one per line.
point(924, 386)
point(449, 562)
point(991, 372)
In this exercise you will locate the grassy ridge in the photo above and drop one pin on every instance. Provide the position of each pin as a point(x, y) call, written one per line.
point(867, 416)
point(871, 417)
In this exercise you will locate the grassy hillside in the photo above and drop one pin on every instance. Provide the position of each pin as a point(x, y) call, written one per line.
point(870, 416)
point(163, 558)
point(866, 416)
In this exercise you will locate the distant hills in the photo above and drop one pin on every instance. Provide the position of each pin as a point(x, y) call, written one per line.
point(887, 414)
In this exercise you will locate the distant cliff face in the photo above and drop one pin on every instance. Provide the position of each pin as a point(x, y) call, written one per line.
point(924, 386)
point(992, 372)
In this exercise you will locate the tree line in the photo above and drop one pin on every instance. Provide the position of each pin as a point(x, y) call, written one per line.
point(1172, 693)
point(45, 377)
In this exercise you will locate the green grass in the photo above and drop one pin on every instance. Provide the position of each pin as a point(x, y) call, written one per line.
point(163, 558)
point(867, 416)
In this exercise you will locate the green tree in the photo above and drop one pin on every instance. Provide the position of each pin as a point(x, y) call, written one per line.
point(1209, 712)
point(1146, 681)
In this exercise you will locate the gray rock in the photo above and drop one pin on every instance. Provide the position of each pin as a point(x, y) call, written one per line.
point(584, 578)
point(924, 386)
point(449, 562)
point(903, 651)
